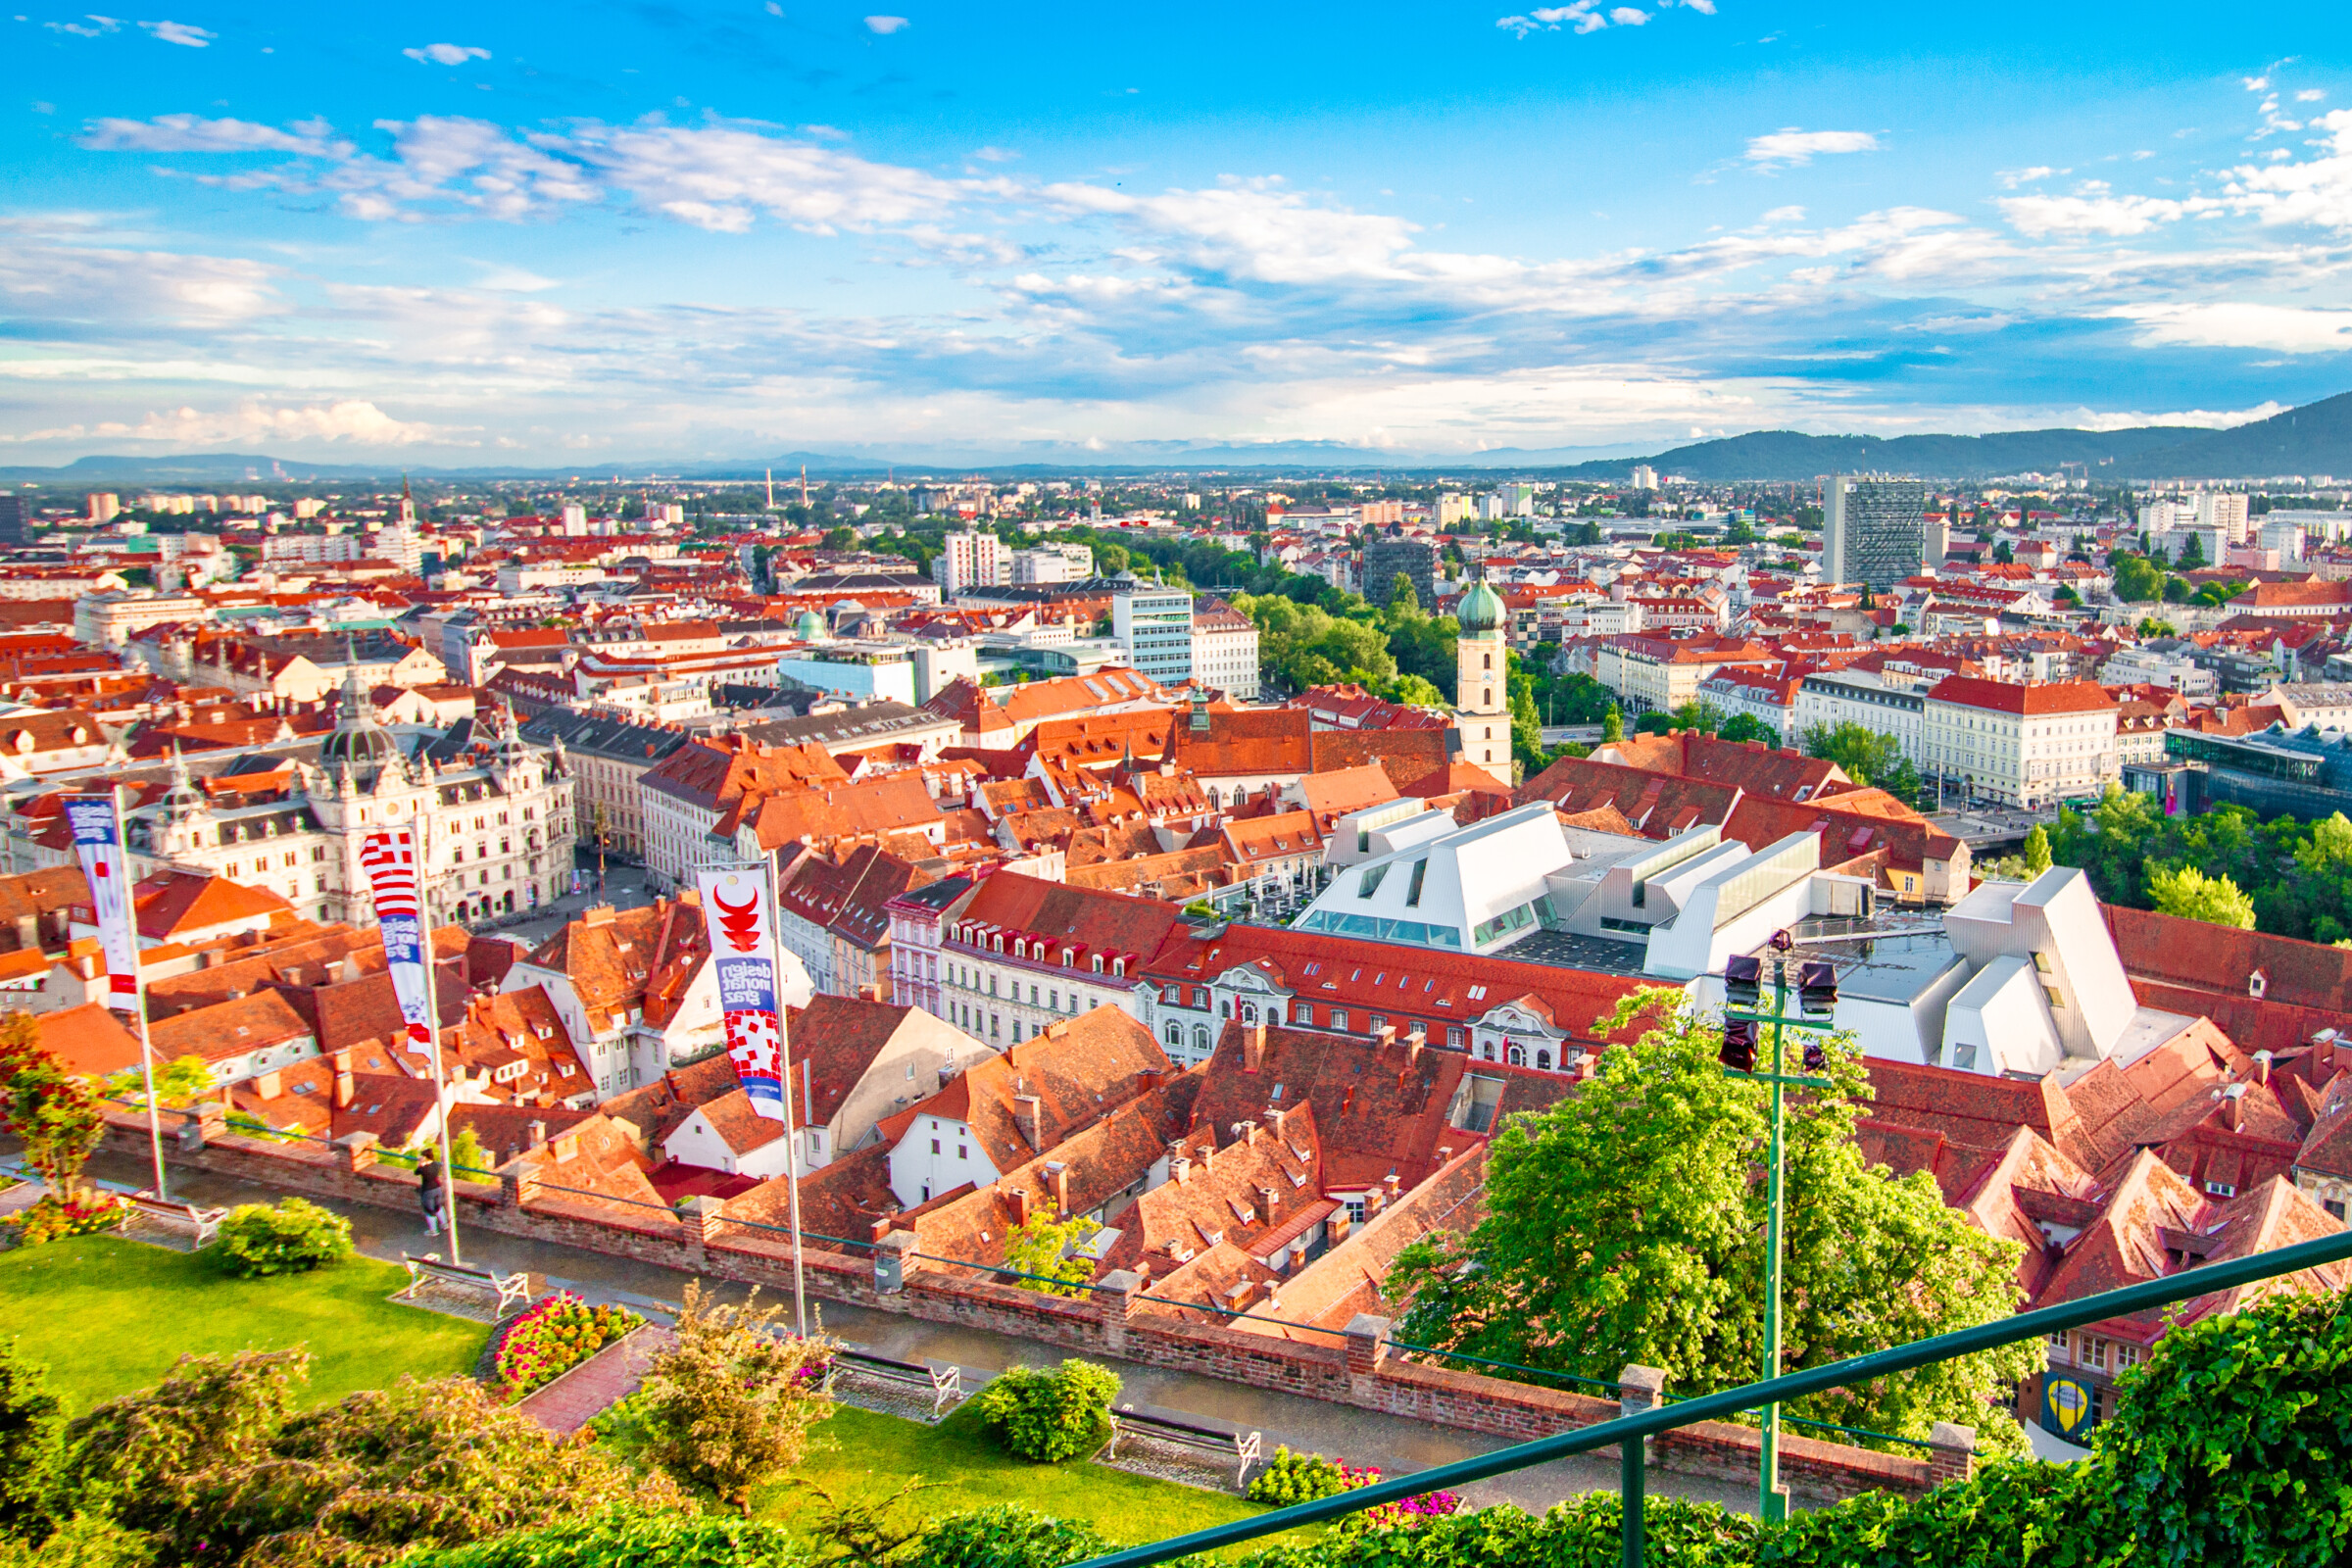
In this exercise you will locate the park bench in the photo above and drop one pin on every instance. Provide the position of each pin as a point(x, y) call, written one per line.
point(1239, 1446)
point(943, 1384)
point(202, 1224)
point(506, 1290)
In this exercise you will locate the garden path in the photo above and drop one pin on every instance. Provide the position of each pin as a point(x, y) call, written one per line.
point(582, 1394)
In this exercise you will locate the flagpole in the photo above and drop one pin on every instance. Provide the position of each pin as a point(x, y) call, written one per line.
point(138, 994)
point(432, 1013)
point(792, 1144)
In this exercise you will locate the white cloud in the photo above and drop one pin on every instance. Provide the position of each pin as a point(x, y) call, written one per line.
point(721, 177)
point(1579, 15)
point(1789, 146)
point(2316, 190)
point(1629, 17)
point(2202, 418)
point(2095, 214)
point(2011, 179)
point(137, 291)
point(353, 420)
point(1253, 229)
point(446, 53)
point(886, 25)
point(179, 32)
point(2258, 83)
point(995, 155)
point(2311, 95)
point(93, 27)
point(192, 134)
point(2284, 328)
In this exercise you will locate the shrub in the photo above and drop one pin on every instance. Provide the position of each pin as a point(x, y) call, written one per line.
point(1050, 1415)
point(1008, 1536)
point(31, 1424)
point(629, 1534)
point(84, 1541)
point(725, 1406)
point(292, 1238)
point(1306, 1478)
point(54, 1219)
point(554, 1336)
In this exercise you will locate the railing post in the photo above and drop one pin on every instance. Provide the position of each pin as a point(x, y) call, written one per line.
point(1951, 1452)
point(1639, 1389)
point(1367, 1346)
point(1116, 1296)
point(890, 1262)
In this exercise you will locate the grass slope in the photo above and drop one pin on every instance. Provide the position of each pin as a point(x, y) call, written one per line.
point(869, 1454)
point(110, 1316)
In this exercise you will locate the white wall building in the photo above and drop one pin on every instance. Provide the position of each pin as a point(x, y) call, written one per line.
point(970, 559)
point(2022, 745)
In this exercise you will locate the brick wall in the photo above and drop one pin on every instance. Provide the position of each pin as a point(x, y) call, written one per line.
point(1364, 1375)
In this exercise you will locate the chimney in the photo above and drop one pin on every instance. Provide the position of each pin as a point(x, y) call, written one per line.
point(1057, 1176)
point(1248, 1133)
point(1384, 1037)
point(1275, 1116)
point(1396, 1186)
point(1209, 1153)
point(1444, 1156)
point(1267, 1198)
point(2262, 1069)
point(1413, 1044)
point(345, 1090)
point(1144, 1081)
point(1028, 1116)
point(1017, 1200)
point(1180, 1170)
point(536, 1131)
point(1254, 1047)
point(2233, 1106)
point(268, 1085)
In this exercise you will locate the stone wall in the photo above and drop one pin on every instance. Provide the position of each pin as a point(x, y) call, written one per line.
point(1115, 1322)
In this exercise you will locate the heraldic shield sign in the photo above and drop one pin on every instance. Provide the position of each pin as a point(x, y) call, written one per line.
point(2065, 1407)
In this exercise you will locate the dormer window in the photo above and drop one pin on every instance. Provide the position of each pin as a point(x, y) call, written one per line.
point(1098, 963)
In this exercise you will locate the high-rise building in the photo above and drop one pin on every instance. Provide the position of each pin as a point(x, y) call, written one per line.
point(969, 559)
point(2219, 510)
point(1645, 477)
point(1388, 554)
point(1874, 529)
point(104, 505)
point(1154, 623)
point(12, 519)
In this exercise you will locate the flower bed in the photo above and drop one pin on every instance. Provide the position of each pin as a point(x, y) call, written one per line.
point(1309, 1477)
point(551, 1339)
point(54, 1219)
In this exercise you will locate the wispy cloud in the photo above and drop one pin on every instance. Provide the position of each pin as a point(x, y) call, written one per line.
point(1588, 15)
point(182, 33)
point(887, 25)
point(192, 134)
point(2281, 328)
point(90, 26)
point(1789, 146)
point(2093, 213)
point(446, 53)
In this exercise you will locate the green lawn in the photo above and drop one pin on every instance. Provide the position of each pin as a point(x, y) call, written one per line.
point(110, 1316)
point(866, 1453)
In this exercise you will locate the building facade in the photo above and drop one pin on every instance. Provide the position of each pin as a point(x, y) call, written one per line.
point(1830, 700)
point(1874, 530)
point(1225, 649)
point(1482, 698)
point(1155, 624)
point(2028, 745)
point(606, 757)
point(1388, 554)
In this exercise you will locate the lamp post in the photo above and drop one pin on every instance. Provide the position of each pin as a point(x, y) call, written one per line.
point(1817, 999)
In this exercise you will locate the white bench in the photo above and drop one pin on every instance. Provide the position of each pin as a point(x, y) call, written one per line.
point(943, 1384)
point(1239, 1446)
point(204, 1224)
point(509, 1291)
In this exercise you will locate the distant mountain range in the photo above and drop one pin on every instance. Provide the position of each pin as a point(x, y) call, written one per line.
point(2315, 439)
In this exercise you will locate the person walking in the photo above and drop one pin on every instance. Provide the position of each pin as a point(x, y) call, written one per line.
point(431, 1198)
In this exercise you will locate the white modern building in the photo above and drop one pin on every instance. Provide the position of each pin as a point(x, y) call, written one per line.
point(1155, 624)
point(2028, 745)
point(969, 559)
point(1225, 649)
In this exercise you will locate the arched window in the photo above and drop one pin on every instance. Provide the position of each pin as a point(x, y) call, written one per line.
point(1490, 661)
point(1518, 1057)
point(1200, 1037)
point(1118, 966)
point(1249, 1012)
point(1544, 1060)
point(1175, 1033)
point(1487, 1050)
point(1098, 963)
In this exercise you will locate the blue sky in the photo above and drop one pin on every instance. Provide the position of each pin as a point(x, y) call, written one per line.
point(585, 233)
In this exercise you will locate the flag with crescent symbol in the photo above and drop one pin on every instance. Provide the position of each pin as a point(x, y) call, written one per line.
point(755, 982)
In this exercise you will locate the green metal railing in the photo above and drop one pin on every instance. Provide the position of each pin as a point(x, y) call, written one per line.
point(1626, 1433)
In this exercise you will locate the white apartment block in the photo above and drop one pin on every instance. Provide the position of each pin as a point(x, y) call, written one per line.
point(2025, 746)
point(1053, 564)
point(1225, 651)
point(969, 559)
point(1155, 624)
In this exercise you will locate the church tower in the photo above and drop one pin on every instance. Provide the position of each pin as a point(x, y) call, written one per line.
point(1482, 698)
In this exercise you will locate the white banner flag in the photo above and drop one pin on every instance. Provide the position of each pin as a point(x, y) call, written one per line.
point(755, 982)
point(103, 864)
point(390, 857)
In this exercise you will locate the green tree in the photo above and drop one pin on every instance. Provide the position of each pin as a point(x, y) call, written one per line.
point(1624, 1224)
point(1400, 594)
point(2193, 896)
point(57, 1117)
point(1868, 758)
point(2192, 555)
point(176, 1083)
point(33, 1423)
point(1612, 725)
point(2037, 850)
point(2136, 580)
point(1745, 727)
point(728, 1404)
point(1044, 1247)
point(843, 538)
point(2004, 554)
